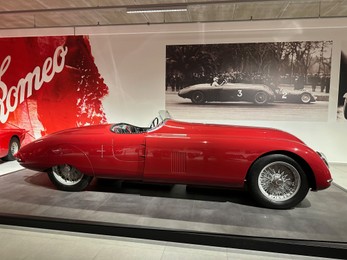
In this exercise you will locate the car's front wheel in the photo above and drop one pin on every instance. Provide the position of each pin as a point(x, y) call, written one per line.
point(68, 178)
point(13, 148)
point(198, 97)
point(278, 181)
point(261, 98)
point(305, 98)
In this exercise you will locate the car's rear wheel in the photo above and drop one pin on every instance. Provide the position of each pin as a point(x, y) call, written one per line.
point(198, 97)
point(13, 148)
point(68, 178)
point(277, 181)
point(305, 98)
point(261, 98)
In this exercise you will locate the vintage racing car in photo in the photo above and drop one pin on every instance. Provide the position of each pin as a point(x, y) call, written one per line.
point(229, 92)
point(293, 96)
point(11, 138)
point(276, 167)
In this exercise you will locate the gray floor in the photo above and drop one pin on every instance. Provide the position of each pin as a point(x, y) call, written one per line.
point(321, 216)
point(35, 244)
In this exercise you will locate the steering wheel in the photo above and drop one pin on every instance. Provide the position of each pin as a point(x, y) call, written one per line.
point(127, 129)
point(155, 122)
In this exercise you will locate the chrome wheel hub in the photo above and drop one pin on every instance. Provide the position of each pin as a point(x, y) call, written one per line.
point(279, 181)
point(260, 97)
point(305, 98)
point(14, 148)
point(198, 97)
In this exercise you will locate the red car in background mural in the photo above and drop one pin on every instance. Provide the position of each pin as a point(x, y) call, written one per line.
point(10, 141)
point(276, 167)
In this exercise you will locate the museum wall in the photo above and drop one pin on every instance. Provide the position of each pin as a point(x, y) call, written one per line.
point(131, 60)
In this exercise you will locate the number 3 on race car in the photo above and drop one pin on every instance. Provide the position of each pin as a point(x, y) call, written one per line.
point(239, 92)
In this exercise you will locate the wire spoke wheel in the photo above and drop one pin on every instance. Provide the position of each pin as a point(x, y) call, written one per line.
point(279, 181)
point(66, 174)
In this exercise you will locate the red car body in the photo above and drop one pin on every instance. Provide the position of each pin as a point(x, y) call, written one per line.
point(172, 152)
point(10, 136)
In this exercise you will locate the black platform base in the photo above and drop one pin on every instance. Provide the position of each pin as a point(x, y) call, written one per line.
point(317, 227)
point(286, 246)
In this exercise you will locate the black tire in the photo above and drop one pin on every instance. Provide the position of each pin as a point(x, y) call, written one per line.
point(345, 110)
point(268, 186)
point(305, 98)
point(68, 178)
point(198, 97)
point(261, 98)
point(13, 148)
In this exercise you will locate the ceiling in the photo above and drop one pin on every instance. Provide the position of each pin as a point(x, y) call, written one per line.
point(73, 13)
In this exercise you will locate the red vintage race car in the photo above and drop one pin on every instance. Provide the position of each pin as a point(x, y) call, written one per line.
point(276, 167)
point(11, 138)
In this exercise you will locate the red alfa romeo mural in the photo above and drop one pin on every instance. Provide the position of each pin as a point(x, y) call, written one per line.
point(49, 83)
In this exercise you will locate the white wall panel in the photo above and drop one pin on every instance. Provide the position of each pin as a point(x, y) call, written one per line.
point(136, 75)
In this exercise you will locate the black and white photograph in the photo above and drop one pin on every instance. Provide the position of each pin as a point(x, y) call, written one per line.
point(277, 81)
point(342, 98)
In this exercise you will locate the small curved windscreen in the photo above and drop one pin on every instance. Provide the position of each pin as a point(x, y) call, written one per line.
point(124, 128)
point(159, 120)
point(164, 114)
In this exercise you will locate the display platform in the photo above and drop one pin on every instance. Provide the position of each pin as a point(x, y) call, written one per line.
point(320, 219)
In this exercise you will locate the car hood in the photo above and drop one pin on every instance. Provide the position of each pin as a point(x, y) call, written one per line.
point(243, 132)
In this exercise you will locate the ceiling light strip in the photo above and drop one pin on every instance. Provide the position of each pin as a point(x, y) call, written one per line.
point(156, 10)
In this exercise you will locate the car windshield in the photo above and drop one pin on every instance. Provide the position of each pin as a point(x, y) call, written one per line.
point(124, 128)
point(160, 119)
point(164, 114)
